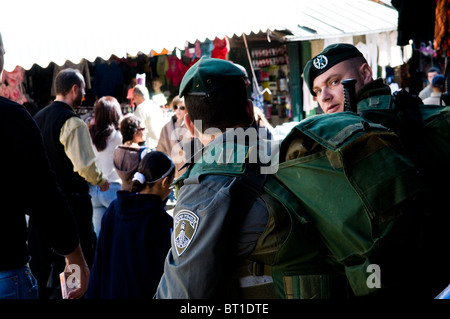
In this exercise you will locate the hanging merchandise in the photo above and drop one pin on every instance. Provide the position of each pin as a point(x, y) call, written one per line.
point(255, 85)
point(271, 86)
point(198, 50)
point(193, 61)
point(11, 85)
point(176, 70)
point(221, 48)
point(164, 51)
point(189, 50)
point(140, 79)
point(206, 47)
point(162, 65)
point(107, 76)
point(269, 56)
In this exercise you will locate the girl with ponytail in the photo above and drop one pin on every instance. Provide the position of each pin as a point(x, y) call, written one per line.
point(135, 236)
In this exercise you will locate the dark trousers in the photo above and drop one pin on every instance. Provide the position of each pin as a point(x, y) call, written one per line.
point(45, 264)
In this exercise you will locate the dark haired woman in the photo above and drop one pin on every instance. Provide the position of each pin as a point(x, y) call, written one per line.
point(128, 155)
point(106, 137)
point(135, 235)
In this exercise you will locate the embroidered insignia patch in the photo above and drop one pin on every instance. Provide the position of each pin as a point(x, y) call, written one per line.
point(185, 227)
point(320, 62)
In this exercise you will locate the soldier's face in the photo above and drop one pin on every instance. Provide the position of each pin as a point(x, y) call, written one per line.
point(328, 88)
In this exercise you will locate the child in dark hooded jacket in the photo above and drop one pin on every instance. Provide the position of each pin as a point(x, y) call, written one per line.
point(135, 235)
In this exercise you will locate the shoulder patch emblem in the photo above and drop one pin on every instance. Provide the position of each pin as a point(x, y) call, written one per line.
point(185, 227)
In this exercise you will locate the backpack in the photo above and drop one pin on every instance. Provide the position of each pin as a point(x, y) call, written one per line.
point(358, 241)
point(289, 244)
point(351, 181)
point(424, 131)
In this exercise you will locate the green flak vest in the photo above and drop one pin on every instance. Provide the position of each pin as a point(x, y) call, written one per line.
point(288, 254)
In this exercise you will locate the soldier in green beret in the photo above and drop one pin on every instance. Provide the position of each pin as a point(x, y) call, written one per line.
point(422, 129)
point(323, 75)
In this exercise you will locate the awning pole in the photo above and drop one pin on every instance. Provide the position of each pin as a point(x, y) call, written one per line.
point(255, 82)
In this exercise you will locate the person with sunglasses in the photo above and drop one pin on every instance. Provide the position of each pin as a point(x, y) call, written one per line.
point(135, 236)
point(174, 135)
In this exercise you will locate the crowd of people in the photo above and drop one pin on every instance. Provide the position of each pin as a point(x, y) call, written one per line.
point(78, 170)
point(99, 191)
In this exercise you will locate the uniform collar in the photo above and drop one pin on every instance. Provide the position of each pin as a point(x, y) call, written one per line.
point(376, 87)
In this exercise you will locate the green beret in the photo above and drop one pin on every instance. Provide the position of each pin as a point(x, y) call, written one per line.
point(206, 75)
point(329, 57)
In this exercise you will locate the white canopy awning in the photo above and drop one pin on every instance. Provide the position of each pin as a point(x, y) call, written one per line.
point(55, 31)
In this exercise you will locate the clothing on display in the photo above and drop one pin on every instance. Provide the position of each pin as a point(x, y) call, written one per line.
point(176, 70)
point(221, 48)
point(162, 65)
point(11, 85)
point(106, 77)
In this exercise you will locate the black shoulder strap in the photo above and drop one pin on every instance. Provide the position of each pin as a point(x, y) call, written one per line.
point(247, 188)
